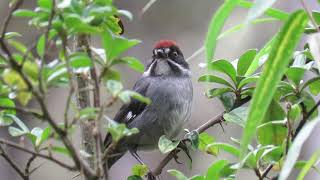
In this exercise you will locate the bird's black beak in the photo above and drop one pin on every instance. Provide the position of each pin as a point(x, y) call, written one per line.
point(160, 53)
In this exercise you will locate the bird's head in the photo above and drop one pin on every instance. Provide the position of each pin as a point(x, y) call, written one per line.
point(167, 60)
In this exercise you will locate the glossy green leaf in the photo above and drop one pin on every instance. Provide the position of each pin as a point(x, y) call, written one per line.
point(204, 140)
point(116, 45)
point(225, 67)
point(228, 100)
point(277, 62)
point(217, 92)
point(259, 7)
point(166, 145)
point(295, 149)
point(134, 177)
point(245, 61)
point(140, 170)
point(306, 168)
point(260, 57)
point(216, 25)
point(214, 79)
point(295, 74)
point(133, 63)
point(237, 116)
point(194, 138)
point(248, 80)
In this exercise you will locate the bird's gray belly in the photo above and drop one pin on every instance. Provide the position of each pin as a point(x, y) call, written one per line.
point(166, 115)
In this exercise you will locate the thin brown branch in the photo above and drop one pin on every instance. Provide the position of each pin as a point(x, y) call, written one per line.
point(50, 158)
point(211, 122)
point(266, 171)
point(28, 165)
point(13, 164)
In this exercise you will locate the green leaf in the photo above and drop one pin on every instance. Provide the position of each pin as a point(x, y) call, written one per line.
point(275, 13)
point(314, 87)
point(140, 170)
point(259, 7)
point(226, 147)
point(217, 92)
point(248, 80)
point(306, 168)
point(22, 126)
point(214, 79)
point(61, 150)
point(179, 175)
point(88, 113)
point(166, 145)
point(295, 74)
point(228, 100)
point(261, 56)
point(4, 120)
point(133, 63)
point(225, 67)
point(15, 132)
point(46, 4)
point(193, 136)
point(111, 74)
point(237, 116)
point(126, 96)
point(10, 35)
point(273, 71)
point(216, 25)
point(41, 46)
point(245, 61)
point(6, 102)
point(118, 131)
point(114, 87)
point(80, 60)
point(295, 149)
point(204, 140)
point(134, 177)
point(116, 45)
point(24, 13)
point(12, 78)
point(294, 112)
point(215, 169)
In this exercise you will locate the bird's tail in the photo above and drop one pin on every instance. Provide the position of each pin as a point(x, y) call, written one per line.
point(115, 153)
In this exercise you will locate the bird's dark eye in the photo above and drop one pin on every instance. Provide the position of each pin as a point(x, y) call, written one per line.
point(175, 54)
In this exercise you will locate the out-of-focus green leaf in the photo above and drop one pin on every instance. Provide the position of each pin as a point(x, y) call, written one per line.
point(259, 7)
point(41, 46)
point(126, 96)
point(226, 147)
point(15, 132)
point(24, 13)
point(295, 149)
point(61, 150)
point(215, 169)
point(140, 170)
point(114, 87)
point(166, 145)
point(214, 79)
point(118, 131)
point(306, 168)
point(294, 112)
point(179, 175)
point(216, 25)
point(88, 113)
point(314, 87)
point(225, 67)
point(277, 62)
point(111, 74)
point(10, 35)
point(204, 140)
point(245, 61)
point(134, 177)
point(275, 13)
point(6, 102)
point(237, 116)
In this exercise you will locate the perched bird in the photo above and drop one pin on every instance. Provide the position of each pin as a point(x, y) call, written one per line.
point(167, 82)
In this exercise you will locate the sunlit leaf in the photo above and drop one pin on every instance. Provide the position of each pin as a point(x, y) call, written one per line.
point(166, 145)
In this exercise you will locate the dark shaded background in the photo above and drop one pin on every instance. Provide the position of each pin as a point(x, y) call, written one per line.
point(186, 22)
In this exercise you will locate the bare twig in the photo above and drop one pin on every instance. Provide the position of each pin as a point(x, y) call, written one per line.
point(21, 148)
point(28, 165)
point(13, 164)
point(266, 171)
point(211, 122)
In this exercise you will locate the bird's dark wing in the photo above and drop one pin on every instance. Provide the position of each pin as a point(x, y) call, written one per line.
point(134, 108)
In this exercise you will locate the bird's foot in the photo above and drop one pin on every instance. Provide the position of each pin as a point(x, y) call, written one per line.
point(150, 176)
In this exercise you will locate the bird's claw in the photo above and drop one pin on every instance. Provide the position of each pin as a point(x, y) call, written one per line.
point(150, 176)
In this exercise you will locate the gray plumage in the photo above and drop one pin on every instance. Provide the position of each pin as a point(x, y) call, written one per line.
point(167, 82)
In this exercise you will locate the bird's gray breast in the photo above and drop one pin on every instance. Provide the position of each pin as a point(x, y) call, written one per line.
point(170, 109)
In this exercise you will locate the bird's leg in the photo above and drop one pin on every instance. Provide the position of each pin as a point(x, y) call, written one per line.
point(136, 156)
point(134, 153)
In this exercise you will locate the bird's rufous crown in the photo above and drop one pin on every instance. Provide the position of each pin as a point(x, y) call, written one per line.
point(165, 44)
